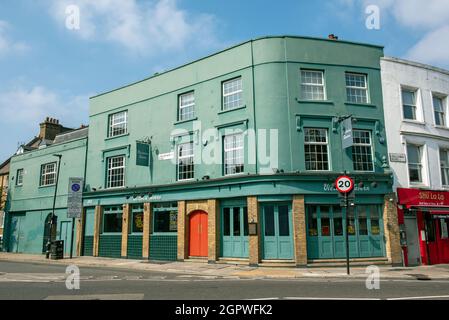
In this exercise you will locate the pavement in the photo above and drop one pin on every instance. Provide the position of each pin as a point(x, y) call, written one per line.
point(238, 271)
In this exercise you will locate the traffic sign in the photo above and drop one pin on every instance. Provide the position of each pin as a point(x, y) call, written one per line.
point(344, 184)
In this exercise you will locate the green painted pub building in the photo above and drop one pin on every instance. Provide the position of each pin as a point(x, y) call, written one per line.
point(233, 157)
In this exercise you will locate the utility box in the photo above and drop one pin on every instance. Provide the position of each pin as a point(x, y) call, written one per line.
point(57, 250)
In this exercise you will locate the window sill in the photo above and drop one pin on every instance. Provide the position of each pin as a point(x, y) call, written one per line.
point(48, 186)
point(418, 185)
point(359, 104)
point(414, 122)
point(119, 136)
point(315, 101)
point(230, 110)
point(441, 127)
point(173, 234)
point(184, 121)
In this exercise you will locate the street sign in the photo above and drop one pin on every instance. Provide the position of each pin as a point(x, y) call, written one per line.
point(344, 184)
point(75, 198)
point(347, 139)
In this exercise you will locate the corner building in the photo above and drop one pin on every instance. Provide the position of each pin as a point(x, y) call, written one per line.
point(151, 194)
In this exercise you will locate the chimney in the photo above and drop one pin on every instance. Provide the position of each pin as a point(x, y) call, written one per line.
point(332, 37)
point(50, 128)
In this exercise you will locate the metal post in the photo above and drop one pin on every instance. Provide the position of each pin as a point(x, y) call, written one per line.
point(71, 238)
point(347, 234)
point(54, 201)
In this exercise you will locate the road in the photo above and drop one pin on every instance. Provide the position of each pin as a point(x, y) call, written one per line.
point(39, 281)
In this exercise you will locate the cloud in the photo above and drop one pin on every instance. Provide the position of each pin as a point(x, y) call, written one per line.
point(143, 27)
point(29, 106)
point(433, 48)
point(8, 46)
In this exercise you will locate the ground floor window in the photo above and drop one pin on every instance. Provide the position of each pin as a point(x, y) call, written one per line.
point(112, 219)
point(326, 231)
point(137, 218)
point(165, 217)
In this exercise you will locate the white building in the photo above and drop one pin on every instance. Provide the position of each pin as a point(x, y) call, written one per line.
point(417, 127)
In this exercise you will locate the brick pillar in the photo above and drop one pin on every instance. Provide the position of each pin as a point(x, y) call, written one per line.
point(125, 229)
point(80, 232)
point(254, 241)
point(299, 230)
point(182, 230)
point(147, 218)
point(213, 230)
point(391, 229)
point(97, 226)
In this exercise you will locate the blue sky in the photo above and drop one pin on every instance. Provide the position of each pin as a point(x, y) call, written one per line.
point(48, 70)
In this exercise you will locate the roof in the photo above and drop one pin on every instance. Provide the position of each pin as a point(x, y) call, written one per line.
point(71, 135)
point(416, 64)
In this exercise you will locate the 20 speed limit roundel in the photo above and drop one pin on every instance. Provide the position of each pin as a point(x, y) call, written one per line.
point(344, 184)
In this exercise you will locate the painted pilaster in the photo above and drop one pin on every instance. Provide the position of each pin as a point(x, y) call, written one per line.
point(254, 240)
point(299, 230)
point(80, 232)
point(125, 229)
point(147, 219)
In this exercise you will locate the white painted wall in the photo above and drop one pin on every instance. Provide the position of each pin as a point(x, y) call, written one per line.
point(397, 73)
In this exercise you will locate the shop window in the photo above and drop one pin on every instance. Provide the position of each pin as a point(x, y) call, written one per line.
point(236, 220)
point(284, 225)
point(245, 221)
point(430, 227)
point(351, 222)
point(312, 222)
point(227, 221)
point(338, 221)
point(375, 221)
point(165, 221)
point(112, 217)
point(444, 226)
point(325, 222)
point(137, 219)
point(269, 220)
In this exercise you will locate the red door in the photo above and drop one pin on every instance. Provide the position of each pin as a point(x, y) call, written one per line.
point(198, 234)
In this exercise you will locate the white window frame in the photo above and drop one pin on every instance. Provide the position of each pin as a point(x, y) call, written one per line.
point(234, 151)
point(415, 106)
point(307, 84)
point(444, 175)
point(358, 88)
point(443, 100)
point(365, 145)
point(188, 156)
point(19, 183)
point(420, 164)
point(318, 143)
point(110, 171)
point(113, 124)
point(185, 106)
point(232, 93)
point(44, 174)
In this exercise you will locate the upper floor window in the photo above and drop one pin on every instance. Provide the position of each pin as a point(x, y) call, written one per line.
point(316, 149)
point(414, 159)
point(118, 124)
point(362, 154)
point(232, 94)
point(48, 174)
point(233, 154)
point(444, 164)
point(186, 167)
point(19, 177)
point(186, 106)
point(356, 88)
point(409, 104)
point(312, 85)
point(115, 172)
point(439, 110)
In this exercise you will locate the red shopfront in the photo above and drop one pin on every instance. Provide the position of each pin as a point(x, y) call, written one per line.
point(431, 209)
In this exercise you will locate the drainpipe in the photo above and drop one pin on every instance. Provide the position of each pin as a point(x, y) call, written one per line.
point(254, 106)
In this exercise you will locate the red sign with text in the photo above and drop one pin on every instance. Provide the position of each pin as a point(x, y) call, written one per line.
point(423, 198)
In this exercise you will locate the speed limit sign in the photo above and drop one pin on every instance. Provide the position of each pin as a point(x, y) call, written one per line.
point(344, 184)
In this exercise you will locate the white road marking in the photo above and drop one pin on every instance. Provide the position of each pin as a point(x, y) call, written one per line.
point(419, 298)
point(319, 298)
point(125, 296)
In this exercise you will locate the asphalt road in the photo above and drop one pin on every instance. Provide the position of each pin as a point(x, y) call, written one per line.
point(38, 281)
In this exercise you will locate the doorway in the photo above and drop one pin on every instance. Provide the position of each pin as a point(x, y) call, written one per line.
point(65, 233)
point(277, 232)
point(198, 234)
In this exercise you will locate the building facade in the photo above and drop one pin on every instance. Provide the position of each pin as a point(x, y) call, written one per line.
point(234, 157)
point(417, 123)
point(32, 183)
point(4, 177)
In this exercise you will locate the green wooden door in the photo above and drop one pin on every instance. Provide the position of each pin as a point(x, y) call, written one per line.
point(277, 231)
point(65, 235)
point(234, 228)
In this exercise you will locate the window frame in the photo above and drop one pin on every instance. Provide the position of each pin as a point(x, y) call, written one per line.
point(415, 106)
point(110, 169)
point(44, 174)
point(420, 149)
point(110, 210)
point(442, 113)
point(445, 168)
point(234, 151)
point(240, 91)
point(178, 158)
point(180, 107)
point(302, 84)
point(371, 145)
point(366, 88)
point(112, 125)
point(163, 208)
point(21, 171)
point(329, 162)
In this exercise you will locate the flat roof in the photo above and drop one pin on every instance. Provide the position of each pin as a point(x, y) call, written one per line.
point(416, 64)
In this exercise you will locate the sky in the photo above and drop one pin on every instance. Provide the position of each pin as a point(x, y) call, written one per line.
point(50, 65)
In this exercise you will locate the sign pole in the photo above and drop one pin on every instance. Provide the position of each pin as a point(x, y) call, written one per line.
point(347, 234)
point(71, 239)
